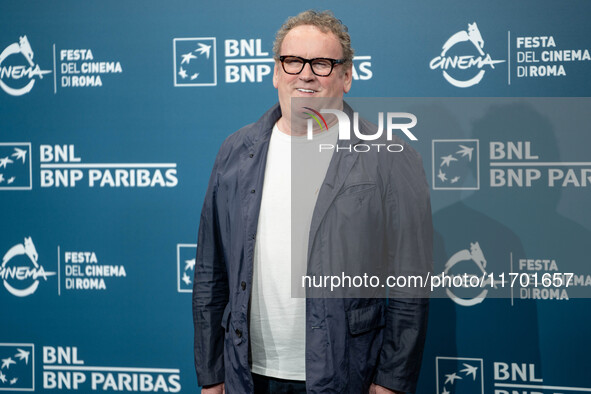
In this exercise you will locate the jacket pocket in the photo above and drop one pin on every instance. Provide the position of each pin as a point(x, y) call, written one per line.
point(365, 319)
point(355, 189)
point(226, 317)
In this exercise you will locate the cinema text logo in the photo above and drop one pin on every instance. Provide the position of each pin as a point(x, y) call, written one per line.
point(476, 267)
point(80, 68)
point(344, 125)
point(17, 78)
point(541, 279)
point(20, 270)
point(84, 271)
point(539, 56)
point(447, 63)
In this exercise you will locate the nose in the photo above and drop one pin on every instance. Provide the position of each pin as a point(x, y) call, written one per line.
point(307, 74)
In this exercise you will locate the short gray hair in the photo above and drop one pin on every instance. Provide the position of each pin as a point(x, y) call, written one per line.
point(325, 21)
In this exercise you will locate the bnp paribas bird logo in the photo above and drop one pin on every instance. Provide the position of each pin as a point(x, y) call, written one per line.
point(185, 263)
point(455, 165)
point(457, 375)
point(194, 61)
point(17, 367)
point(15, 166)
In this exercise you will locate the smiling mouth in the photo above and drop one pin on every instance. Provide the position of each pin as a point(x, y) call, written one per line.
point(306, 90)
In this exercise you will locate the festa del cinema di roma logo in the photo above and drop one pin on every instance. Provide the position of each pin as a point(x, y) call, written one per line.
point(20, 271)
point(11, 73)
point(465, 62)
point(475, 256)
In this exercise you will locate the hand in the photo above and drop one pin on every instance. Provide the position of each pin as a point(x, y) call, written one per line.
point(377, 389)
point(215, 389)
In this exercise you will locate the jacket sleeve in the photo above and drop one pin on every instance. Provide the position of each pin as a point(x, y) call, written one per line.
point(410, 254)
point(210, 291)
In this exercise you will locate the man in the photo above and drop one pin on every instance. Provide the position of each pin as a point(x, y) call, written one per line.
point(251, 336)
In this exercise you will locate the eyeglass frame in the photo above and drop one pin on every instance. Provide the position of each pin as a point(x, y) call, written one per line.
point(333, 62)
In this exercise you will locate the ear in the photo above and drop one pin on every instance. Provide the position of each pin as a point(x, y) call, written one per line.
point(276, 74)
point(348, 79)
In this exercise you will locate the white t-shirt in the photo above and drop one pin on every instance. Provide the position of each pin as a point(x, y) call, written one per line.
point(278, 321)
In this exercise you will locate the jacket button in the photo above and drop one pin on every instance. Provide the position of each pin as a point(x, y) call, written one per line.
point(243, 285)
point(252, 191)
point(238, 333)
point(251, 155)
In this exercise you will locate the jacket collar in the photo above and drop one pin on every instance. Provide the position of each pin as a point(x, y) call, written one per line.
point(338, 171)
point(263, 127)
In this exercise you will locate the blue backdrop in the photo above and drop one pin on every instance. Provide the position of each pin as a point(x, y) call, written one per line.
point(111, 114)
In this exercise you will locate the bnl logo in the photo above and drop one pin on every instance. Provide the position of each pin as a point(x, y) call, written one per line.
point(455, 165)
point(456, 375)
point(194, 61)
point(17, 370)
point(15, 166)
point(185, 266)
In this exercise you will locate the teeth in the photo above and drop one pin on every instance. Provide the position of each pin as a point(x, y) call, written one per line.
point(306, 90)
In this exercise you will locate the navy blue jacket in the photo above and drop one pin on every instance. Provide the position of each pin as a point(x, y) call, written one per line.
point(376, 204)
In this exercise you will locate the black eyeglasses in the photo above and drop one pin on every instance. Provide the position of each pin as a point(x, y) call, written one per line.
point(321, 66)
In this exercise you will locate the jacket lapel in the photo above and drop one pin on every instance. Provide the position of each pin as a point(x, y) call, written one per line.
point(338, 171)
point(251, 176)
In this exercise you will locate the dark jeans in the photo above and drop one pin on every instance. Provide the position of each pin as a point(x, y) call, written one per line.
point(269, 385)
